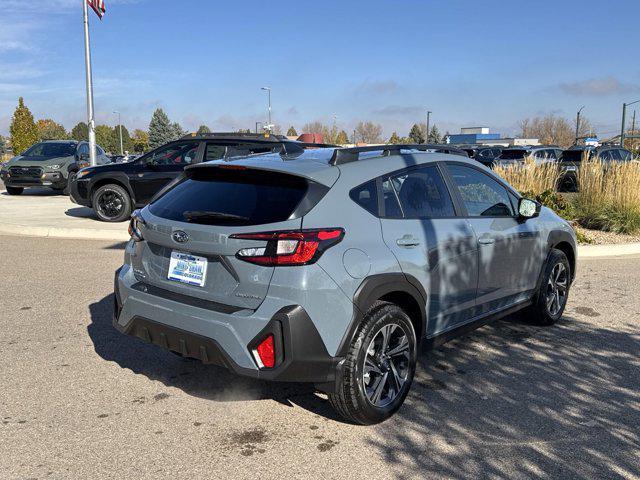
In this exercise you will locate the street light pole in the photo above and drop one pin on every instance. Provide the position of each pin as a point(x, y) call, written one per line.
point(120, 127)
point(624, 119)
point(89, 79)
point(268, 89)
point(578, 124)
point(428, 119)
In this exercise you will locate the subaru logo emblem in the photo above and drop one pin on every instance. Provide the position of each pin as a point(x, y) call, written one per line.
point(180, 236)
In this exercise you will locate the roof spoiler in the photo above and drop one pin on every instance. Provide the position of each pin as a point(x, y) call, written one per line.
point(352, 154)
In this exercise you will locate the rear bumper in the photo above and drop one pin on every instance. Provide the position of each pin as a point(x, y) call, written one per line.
point(226, 339)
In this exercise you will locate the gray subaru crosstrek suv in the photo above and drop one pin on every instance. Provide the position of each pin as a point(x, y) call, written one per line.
point(332, 266)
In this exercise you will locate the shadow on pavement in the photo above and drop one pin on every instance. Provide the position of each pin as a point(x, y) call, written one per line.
point(81, 212)
point(510, 400)
point(37, 192)
point(513, 400)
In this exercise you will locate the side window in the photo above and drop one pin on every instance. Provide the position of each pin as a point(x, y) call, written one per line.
point(83, 149)
point(482, 195)
point(366, 196)
point(606, 156)
point(175, 154)
point(391, 205)
point(616, 154)
point(99, 150)
point(423, 193)
point(625, 155)
point(214, 152)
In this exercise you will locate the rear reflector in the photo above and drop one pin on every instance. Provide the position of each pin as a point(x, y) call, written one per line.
point(265, 353)
point(300, 247)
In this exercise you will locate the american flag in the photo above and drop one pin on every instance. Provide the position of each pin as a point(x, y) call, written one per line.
point(98, 7)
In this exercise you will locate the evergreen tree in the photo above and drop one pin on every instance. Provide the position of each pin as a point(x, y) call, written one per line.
point(342, 138)
point(394, 139)
point(23, 130)
point(160, 129)
point(177, 131)
point(202, 129)
point(104, 138)
point(416, 135)
point(80, 132)
point(50, 130)
point(292, 132)
point(434, 135)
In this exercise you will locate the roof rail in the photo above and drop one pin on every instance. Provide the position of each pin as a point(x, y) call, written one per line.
point(352, 154)
point(235, 135)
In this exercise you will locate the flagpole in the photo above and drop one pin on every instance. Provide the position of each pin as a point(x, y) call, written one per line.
point(87, 61)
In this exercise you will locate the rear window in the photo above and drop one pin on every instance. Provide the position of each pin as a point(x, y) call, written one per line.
point(513, 154)
point(573, 155)
point(217, 196)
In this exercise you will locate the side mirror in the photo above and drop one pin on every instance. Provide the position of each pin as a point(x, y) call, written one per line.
point(528, 208)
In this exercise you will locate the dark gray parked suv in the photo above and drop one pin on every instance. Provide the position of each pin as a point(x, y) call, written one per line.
point(331, 266)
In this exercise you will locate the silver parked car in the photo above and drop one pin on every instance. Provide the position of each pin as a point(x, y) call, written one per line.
point(332, 266)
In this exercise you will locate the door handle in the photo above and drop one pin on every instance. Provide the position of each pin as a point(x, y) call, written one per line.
point(408, 241)
point(486, 240)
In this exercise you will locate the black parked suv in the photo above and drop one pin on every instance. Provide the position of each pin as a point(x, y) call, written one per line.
point(572, 158)
point(482, 153)
point(114, 190)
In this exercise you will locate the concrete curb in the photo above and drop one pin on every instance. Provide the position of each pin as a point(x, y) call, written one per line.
point(595, 251)
point(73, 233)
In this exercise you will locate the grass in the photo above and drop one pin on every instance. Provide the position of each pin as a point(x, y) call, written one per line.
point(608, 195)
point(531, 177)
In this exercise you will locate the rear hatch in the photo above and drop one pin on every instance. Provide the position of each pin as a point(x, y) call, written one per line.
point(197, 217)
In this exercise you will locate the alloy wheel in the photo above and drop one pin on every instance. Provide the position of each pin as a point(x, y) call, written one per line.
point(110, 203)
point(557, 289)
point(386, 365)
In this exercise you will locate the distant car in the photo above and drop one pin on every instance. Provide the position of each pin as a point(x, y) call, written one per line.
point(114, 190)
point(47, 164)
point(572, 158)
point(486, 155)
point(539, 153)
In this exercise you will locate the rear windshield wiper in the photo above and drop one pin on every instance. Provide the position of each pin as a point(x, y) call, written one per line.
point(203, 215)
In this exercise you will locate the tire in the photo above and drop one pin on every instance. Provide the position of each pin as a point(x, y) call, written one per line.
point(15, 190)
point(551, 299)
point(71, 176)
point(357, 399)
point(112, 203)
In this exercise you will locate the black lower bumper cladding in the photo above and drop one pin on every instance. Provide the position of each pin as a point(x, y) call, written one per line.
point(301, 354)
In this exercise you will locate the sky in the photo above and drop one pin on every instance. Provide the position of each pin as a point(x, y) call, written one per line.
point(489, 63)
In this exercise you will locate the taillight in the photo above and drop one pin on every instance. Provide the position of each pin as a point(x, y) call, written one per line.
point(265, 353)
point(134, 226)
point(300, 247)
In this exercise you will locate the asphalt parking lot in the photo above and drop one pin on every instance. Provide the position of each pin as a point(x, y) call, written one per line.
point(79, 400)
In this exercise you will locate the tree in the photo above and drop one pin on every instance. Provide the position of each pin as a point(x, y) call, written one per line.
point(434, 135)
point(202, 129)
point(140, 140)
point(160, 129)
point(23, 130)
point(417, 133)
point(80, 132)
point(342, 138)
point(104, 138)
point(550, 130)
point(177, 131)
point(394, 139)
point(50, 130)
point(127, 143)
point(369, 132)
point(292, 132)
